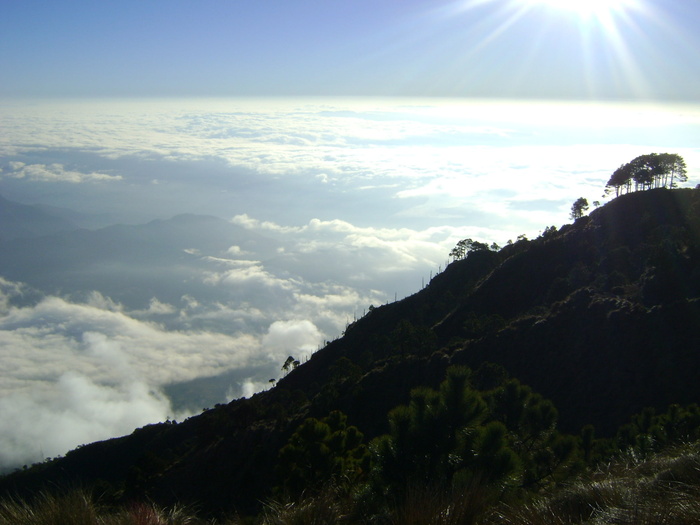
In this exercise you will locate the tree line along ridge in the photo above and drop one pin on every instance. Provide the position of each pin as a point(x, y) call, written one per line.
point(645, 172)
point(653, 170)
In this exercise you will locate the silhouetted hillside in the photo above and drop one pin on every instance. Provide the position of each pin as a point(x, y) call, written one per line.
point(601, 317)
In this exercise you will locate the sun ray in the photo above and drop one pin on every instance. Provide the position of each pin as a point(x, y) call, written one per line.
point(601, 37)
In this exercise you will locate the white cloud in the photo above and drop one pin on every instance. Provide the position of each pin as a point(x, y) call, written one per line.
point(155, 307)
point(76, 410)
point(249, 274)
point(99, 301)
point(235, 251)
point(55, 173)
point(299, 338)
point(248, 387)
point(63, 336)
point(341, 249)
point(76, 373)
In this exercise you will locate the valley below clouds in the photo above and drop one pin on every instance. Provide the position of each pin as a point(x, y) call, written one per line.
point(171, 254)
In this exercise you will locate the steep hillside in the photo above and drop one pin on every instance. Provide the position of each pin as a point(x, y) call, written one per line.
point(601, 317)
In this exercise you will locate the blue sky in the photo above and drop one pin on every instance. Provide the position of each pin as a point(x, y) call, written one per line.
point(505, 48)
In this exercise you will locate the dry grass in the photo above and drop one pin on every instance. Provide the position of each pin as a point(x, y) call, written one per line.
point(664, 489)
point(150, 514)
point(327, 508)
point(74, 508)
point(77, 507)
point(433, 507)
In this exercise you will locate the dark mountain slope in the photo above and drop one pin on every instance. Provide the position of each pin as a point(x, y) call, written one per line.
point(605, 315)
point(608, 322)
point(612, 247)
point(601, 317)
point(600, 359)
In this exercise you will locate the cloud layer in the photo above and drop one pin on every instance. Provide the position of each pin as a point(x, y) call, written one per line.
point(75, 373)
point(337, 205)
point(416, 163)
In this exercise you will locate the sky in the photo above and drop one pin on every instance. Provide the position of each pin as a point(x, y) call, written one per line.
point(345, 147)
point(619, 49)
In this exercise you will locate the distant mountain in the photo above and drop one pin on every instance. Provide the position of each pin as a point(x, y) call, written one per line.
point(25, 221)
point(90, 221)
point(600, 316)
point(129, 263)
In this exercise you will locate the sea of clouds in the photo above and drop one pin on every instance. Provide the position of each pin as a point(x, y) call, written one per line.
point(358, 202)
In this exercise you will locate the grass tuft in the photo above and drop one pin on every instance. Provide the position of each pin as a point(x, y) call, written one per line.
point(74, 508)
point(325, 509)
point(149, 514)
point(425, 506)
point(663, 489)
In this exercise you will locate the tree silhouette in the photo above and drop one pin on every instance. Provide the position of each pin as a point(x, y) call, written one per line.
point(653, 170)
point(621, 180)
point(319, 451)
point(545, 454)
point(465, 246)
point(675, 166)
point(442, 437)
point(290, 364)
point(579, 207)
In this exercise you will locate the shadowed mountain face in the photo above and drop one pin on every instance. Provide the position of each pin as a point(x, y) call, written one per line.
point(601, 317)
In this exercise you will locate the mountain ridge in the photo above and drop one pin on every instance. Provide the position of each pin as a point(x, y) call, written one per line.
point(599, 316)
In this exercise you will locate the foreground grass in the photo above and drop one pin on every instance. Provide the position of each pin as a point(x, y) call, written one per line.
point(662, 489)
point(79, 508)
